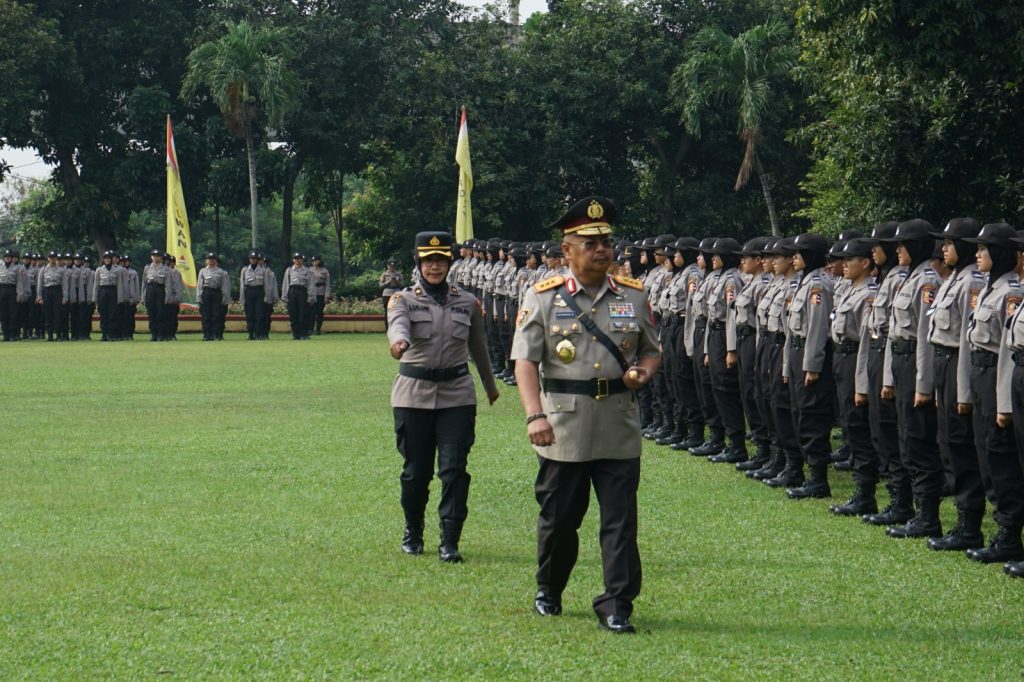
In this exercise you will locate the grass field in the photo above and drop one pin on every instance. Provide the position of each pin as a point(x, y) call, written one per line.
point(230, 510)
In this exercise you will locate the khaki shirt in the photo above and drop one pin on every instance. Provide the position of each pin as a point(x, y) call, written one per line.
point(909, 321)
point(996, 305)
point(1012, 342)
point(809, 318)
point(439, 337)
point(585, 428)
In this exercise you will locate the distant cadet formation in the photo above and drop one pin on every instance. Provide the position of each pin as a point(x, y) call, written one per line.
point(911, 339)
point(55, 298)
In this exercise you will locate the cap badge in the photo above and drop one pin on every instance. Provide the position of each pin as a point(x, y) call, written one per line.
point(595, 211)
point(434, 241)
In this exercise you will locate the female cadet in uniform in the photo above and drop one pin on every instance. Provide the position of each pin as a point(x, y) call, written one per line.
point(321, 280)
point(715, 442)
point(850, 315)
point(909, 372)
point(155, 280)
point(809, 363)
point(989, 392)
point(721, 345)
point(433, 329)
point(1011, 394)
point(298, 290)
point(947, 331)
point(690, 421)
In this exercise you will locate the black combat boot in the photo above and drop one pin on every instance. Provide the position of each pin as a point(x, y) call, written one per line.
point(924, 524)
point(665, 434)
point(412, 538)
point(734, 454)
point(791, 476)
point(1005, 546)
point(657, 421)
point(1014, 569)
point(841, 454)
point(816, 487)
point(899, 510)
point(862, 502)
point(966, 534)
point(448, 551)
point(773, 468)
point(844, 465)
point(694, 438)
point(762, 457)
point(712, 446)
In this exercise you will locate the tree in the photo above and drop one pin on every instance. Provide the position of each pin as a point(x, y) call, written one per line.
point(741, 71)
point(247, 73)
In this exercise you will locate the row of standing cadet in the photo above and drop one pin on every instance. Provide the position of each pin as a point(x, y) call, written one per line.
point(305, 289)
point(915, 348)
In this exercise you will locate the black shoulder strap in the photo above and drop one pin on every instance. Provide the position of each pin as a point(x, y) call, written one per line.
point(592, 327)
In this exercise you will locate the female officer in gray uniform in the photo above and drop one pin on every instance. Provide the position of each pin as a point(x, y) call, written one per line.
point(1010, 392)
point(433, 328)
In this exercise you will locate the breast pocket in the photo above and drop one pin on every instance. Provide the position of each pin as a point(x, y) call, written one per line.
point(625, 334)
point(903, 311)
point(796, 313)
point(460, 326)
point(422, 322)
point(944, 313)
point(984, 318)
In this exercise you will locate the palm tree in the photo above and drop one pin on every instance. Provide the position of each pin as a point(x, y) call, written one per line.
point(246, 72)
point(742, 70)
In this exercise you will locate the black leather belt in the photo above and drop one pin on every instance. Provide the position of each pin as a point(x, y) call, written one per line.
point(945, 351)
point(108, 286)
point(52, 286)
point(904, 347)
point(701, 322)
point(778, 338)
point(797, 342)
point(433, 374)
point(743, 331)
point(595, 388)
point(1018, 358)
point(848, 347)
point(7, 286)
point(983, 358)
point(716, 325)
point(878, 343)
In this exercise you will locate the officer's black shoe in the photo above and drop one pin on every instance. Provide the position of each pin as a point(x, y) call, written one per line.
point(817, 487)
point(449, 554)
point(546, 604)
point(620, 625)
point(671, 439)
point(841, 453)
point(772, 469)
point(752, 465)
point(966, 534)
point(844, 465)
point(862, 502)
point(412, 539)
point(1014, 569)
point(924, 524)
point(900, 510)
point(694, 439)
point(791, 476)
point(1005, 546)
point(733, 454)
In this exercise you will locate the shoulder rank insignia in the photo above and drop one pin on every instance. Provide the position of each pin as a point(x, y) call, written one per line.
point(549, 284)
point(629, 282)
point(393, 301)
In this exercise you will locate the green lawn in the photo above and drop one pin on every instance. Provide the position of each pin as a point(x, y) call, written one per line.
point(230, 510)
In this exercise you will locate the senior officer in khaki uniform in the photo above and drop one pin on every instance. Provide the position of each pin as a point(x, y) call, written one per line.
point(583, 343)
point(433, 328)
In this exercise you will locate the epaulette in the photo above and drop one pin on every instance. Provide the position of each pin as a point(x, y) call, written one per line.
point(549, 284)
point(629, 282)
point(1013, 283)
point(873, 286)
point(815, 278)
point(977, 274)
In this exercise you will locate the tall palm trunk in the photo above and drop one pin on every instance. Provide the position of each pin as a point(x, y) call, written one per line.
point(251, 155)
point(773, 216)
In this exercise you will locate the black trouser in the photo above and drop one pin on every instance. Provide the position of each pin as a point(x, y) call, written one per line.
point(51, 309)
point(318, 313)
point(725, 385)
point(683, 380)
point(63, 319)
point(85, 311)
point(28, 316)
point(764, 382)
point(814, 409)
point(298, 305)
point(748, 353)
point(997, 449)
point(126, 320)
point(917, 429)
point(782, 404)
point(254, 311)
point(449, 433)
point(562, 490)
point(956, 434)
point(210, 307)
point(74, 319)
point(660, 390)
point(9, 311)
point(155, 297)
point(170, 320)
point(856, 419)
point(702, 376)
point(508, 330)
point(386, 300)
point(882, 417)
point(1017, 398)
point(106, 301)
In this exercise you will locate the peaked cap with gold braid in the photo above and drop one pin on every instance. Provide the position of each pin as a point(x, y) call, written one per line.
point(588, 217)
point(430, 243)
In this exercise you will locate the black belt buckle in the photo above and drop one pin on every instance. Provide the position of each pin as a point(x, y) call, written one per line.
point(602, 388)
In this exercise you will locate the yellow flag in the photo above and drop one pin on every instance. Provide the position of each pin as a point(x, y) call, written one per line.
point(464, 208)
point(179, 241)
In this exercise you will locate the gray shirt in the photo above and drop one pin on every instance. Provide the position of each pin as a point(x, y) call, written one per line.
point(809, 319)
point(214, 278)
point(997, 304)
point(439, 336)
point(908, 321)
